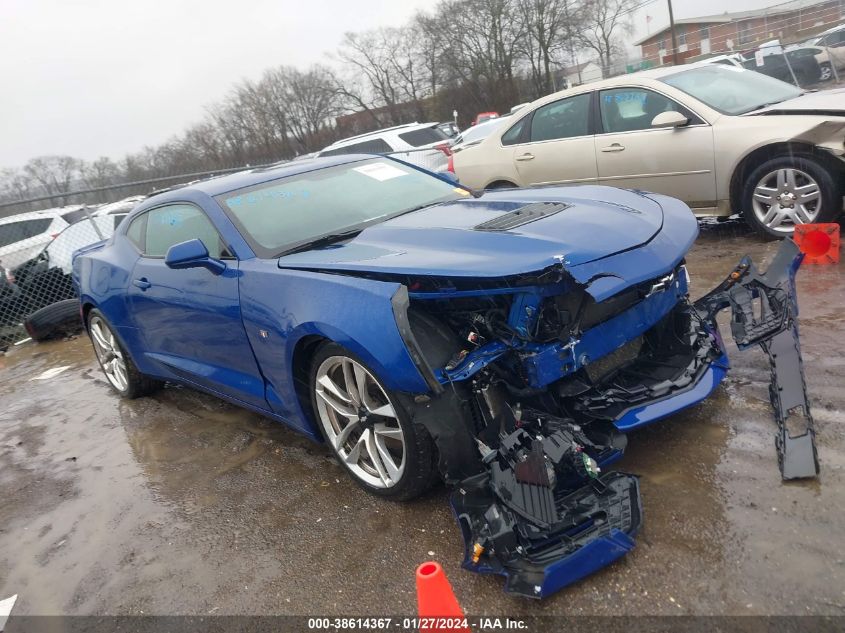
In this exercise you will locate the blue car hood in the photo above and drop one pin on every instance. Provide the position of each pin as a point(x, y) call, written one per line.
point(443, 240)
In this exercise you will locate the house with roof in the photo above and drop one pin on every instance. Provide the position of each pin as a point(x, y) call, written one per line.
point(581, 74)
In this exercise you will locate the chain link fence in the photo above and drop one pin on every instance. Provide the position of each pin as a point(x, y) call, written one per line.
point(37, 296)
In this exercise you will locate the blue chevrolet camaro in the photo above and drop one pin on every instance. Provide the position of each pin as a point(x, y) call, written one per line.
point(501, 341)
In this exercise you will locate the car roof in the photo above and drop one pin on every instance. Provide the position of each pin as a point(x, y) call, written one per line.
point(120, 206)
point(836, 28)
point(644, 76)
point(250, 177)
point(375, 133)
point(41, 213)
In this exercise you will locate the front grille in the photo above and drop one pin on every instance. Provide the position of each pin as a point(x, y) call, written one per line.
point(606, 365)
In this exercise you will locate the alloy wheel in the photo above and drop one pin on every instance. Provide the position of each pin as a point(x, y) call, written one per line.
point(360, 421)
point(108, 353)
point(786, 197)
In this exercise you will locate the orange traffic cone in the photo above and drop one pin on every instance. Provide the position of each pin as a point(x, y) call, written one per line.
point(436, 600)
point(818, 242)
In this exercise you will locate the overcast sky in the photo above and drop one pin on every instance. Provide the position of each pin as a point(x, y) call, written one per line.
point(96, 78)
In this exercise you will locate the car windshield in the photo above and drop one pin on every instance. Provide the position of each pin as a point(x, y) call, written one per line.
point(731, 90)
point(281, 215)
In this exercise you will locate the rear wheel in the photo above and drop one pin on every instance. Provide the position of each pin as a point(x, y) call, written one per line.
point(790, 190)
point(367, 427)
point(117, 365)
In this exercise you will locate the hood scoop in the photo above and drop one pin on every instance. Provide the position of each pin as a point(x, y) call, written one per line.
point(522, 215)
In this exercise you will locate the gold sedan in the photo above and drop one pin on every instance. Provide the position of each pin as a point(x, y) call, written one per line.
point(723, 139)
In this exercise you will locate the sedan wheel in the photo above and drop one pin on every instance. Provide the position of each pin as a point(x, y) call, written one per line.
point(109, 354)
point(789, 190)
point(786, 197)
point(360, 422)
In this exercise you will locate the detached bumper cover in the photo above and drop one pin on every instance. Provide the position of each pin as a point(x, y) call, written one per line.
point(764, 311)
point(544, 517)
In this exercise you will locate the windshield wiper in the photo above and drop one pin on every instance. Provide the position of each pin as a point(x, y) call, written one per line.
point(760, 107)
point(323, 240)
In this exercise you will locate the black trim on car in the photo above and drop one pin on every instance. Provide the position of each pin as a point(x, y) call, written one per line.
point(400, 303)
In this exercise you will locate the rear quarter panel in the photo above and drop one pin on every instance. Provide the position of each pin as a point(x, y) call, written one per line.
point(101, 274)
point(479, 165)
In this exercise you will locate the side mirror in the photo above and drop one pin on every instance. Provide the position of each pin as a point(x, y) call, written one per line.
point(669, 119)
point(192, 254)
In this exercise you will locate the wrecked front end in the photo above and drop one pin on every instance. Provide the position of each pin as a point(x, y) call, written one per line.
point(536, 378)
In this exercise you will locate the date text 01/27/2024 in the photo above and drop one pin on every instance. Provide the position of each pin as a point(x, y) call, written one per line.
point(416, 624)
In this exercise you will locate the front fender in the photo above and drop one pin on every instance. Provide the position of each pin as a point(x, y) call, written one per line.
point(280, 307)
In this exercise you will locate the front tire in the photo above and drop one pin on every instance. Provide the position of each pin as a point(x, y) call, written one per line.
point(790, 190)
point(367, 428)
point(121, 372)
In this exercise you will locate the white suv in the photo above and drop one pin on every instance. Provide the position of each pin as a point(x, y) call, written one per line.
point(23, 236)
point(422, 144)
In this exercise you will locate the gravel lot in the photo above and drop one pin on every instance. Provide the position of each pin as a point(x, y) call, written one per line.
point(183, 504)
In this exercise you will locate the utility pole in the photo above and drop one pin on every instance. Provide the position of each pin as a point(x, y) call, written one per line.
point(674, 40)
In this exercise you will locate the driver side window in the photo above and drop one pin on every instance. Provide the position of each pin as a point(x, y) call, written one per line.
point(631, 109)
point(157, 230)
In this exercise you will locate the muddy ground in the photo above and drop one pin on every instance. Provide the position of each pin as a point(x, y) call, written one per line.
point(183, 504)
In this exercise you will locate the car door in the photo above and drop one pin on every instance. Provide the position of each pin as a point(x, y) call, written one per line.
point(676, 161)
point(190, 319)
point(554, 144)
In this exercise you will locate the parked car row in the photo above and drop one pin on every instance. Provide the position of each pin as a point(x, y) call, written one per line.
point(833, 42)
point(724, 139)
point(24, 235)
point(801, 65)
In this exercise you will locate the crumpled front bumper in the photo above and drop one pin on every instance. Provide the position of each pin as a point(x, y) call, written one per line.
point(543, 522)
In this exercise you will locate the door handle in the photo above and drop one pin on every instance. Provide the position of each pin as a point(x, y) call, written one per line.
point(616, 147)
point(141, 283)
point(525, 157)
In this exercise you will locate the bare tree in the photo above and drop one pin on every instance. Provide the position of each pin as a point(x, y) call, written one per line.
point(549, 26)
point(604, 22)
point(15, 185)
point(100, 173)
point(312, 100)
point(387, 69)
point(485, 38)
point(54, 174)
